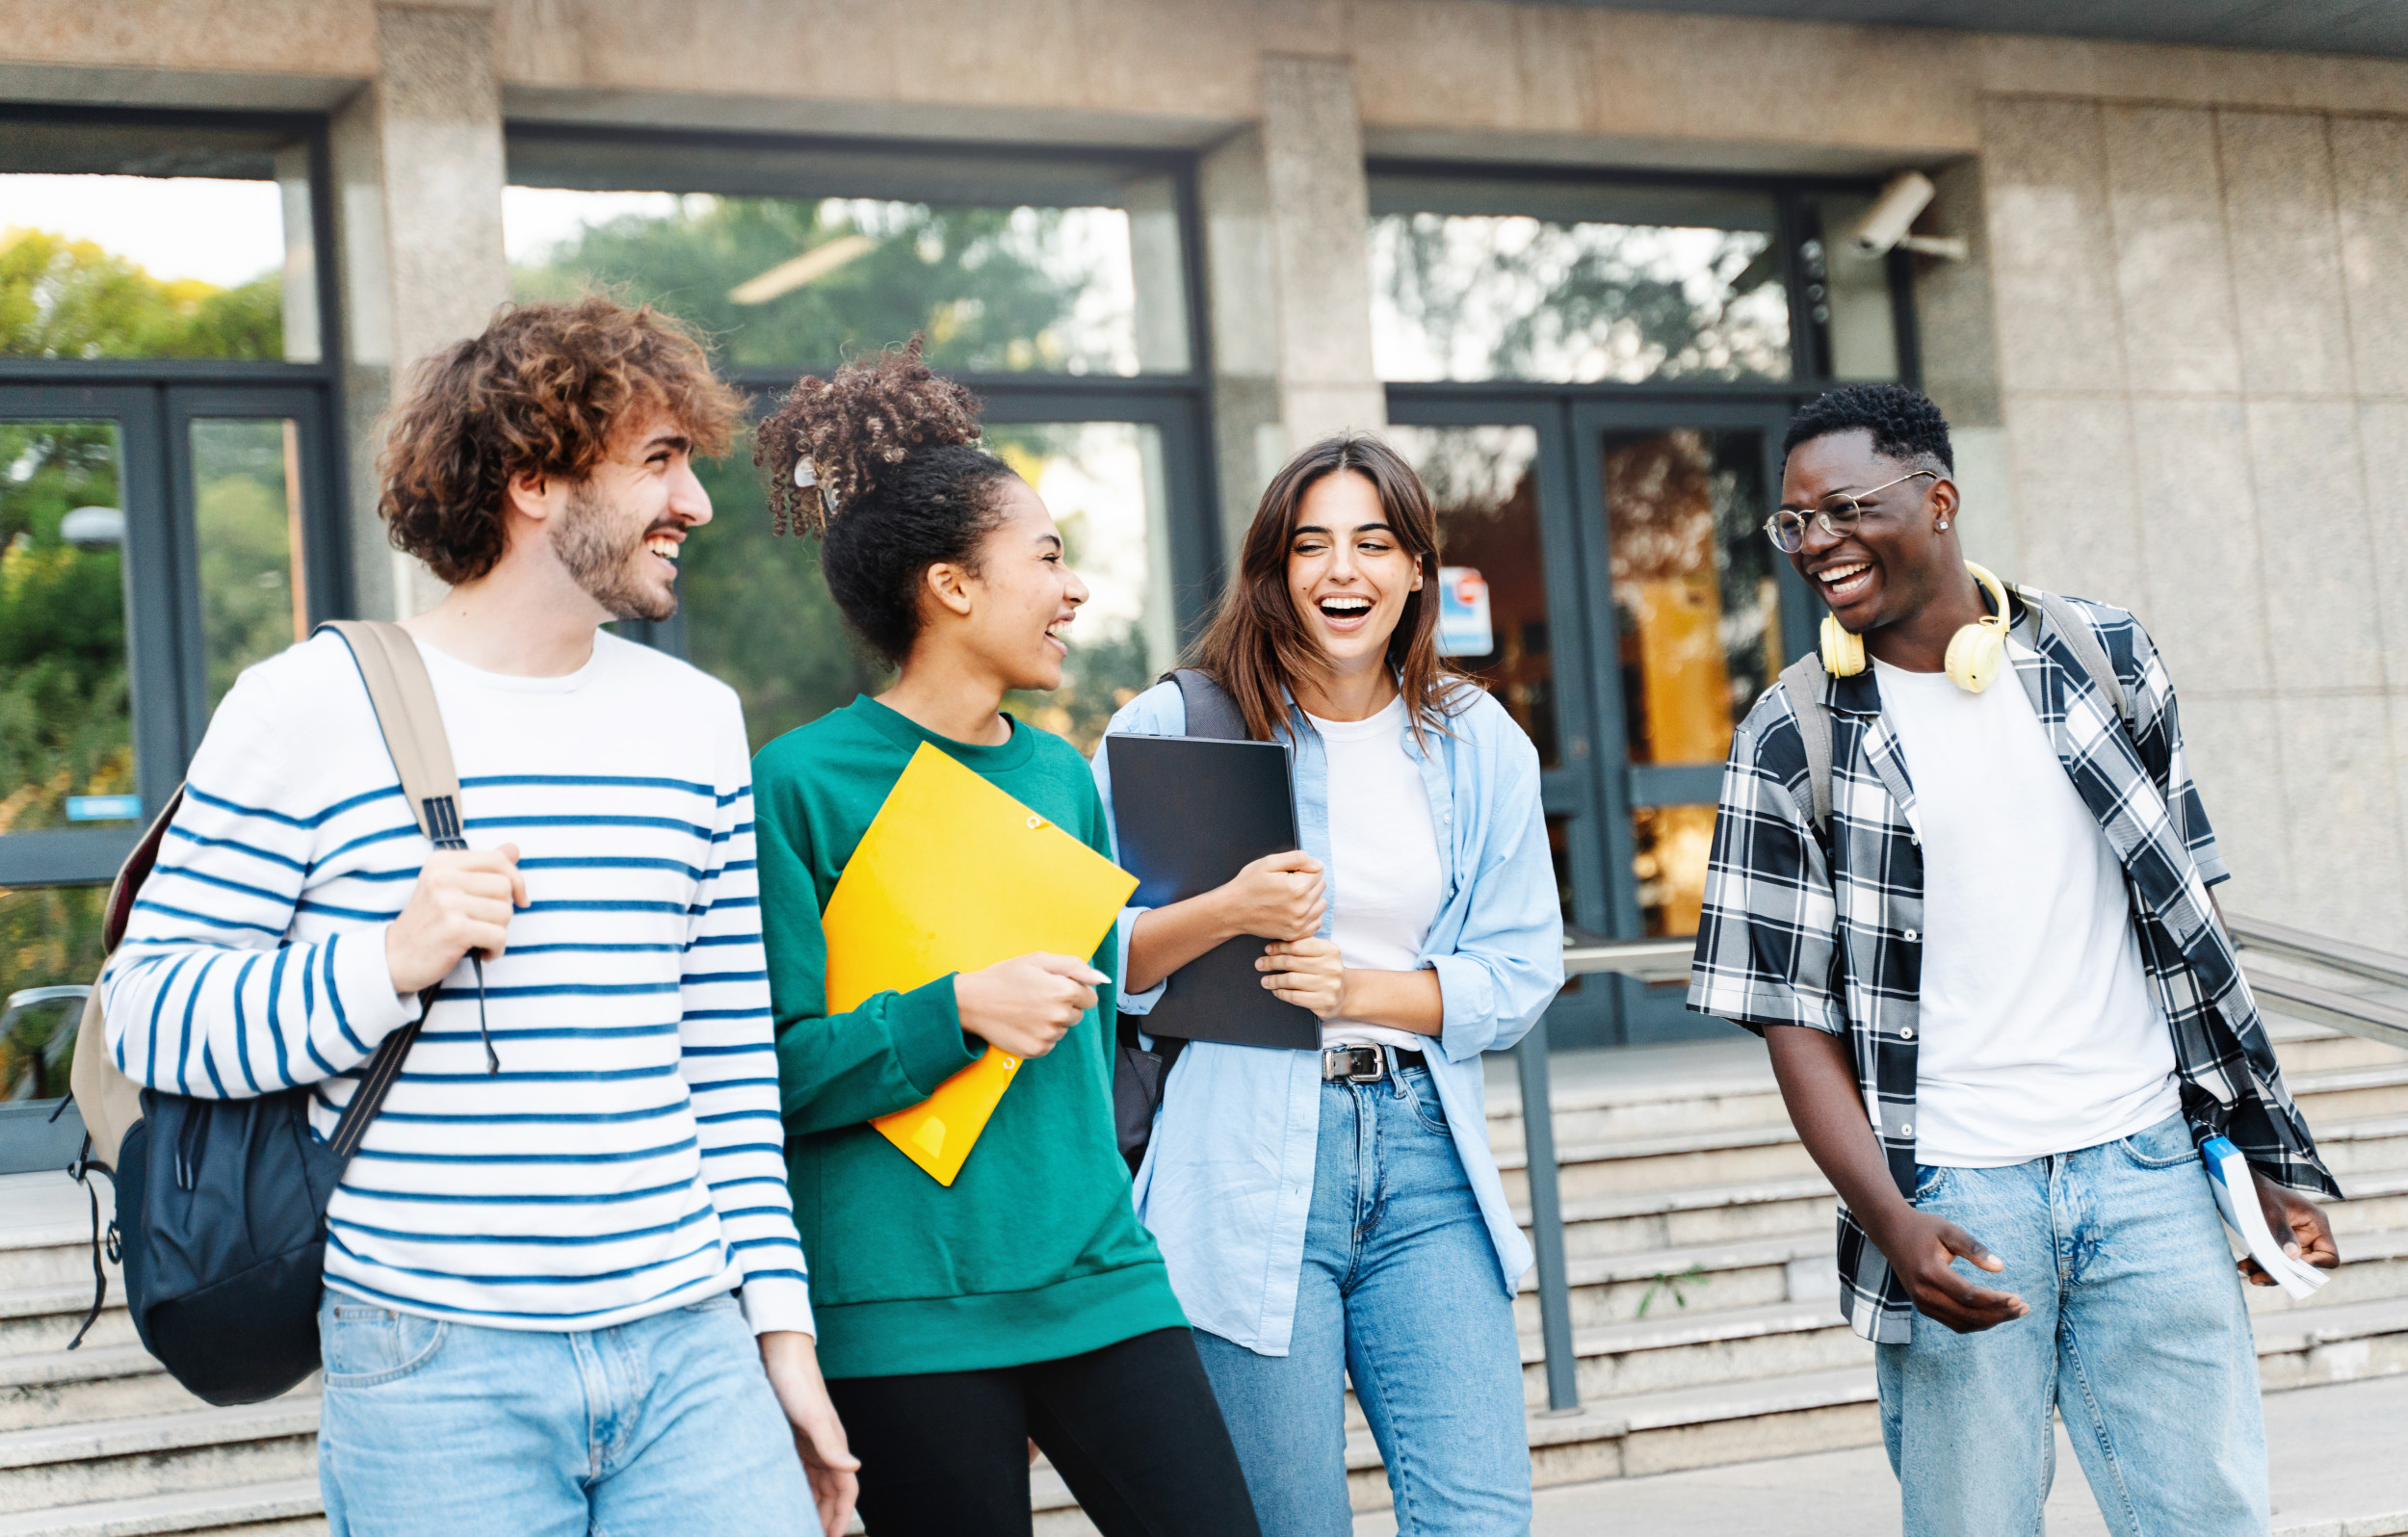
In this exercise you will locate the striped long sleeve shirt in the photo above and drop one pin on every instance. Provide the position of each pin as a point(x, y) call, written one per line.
point(628, 1155)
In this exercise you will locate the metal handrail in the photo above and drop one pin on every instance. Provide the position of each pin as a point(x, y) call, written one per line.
point(2373, 1019)
point(1584, 954)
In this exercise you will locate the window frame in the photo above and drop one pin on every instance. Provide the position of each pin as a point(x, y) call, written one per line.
point(1178, 405)
point(154, 400)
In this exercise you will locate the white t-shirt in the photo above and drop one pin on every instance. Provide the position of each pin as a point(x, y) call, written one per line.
point(2040, 1033)
point(1386, 881)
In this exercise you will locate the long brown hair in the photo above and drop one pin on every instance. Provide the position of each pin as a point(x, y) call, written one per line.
point(1258, 645)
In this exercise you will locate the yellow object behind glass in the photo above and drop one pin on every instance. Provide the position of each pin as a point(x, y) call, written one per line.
point(954, 875)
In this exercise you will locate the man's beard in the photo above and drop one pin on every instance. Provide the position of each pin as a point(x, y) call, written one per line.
point(604, 564)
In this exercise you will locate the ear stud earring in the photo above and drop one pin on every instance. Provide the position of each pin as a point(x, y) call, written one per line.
point(1944, 522)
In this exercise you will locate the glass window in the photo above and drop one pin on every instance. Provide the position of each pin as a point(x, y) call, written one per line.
point(66, 744)
point(116, 243)
point(1493, 614)
point(757, 613)
point(1696, 594)
point(1670, 845)
point(49, 940)
point(797, 257)
point(1573, 283)
point(248, 516)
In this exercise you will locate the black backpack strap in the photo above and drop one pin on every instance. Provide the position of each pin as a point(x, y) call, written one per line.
point(1803, 681)
point(1211, 711)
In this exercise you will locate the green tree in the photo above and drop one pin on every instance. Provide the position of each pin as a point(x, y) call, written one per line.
point(67, 297)
point(975, 281)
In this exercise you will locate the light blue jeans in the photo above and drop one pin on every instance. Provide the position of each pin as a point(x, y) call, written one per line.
point(1399, 1292)
point(664, 1427)
point(2137, 1335)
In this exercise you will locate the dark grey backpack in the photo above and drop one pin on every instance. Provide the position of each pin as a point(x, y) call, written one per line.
point(1139, 1074)
point(222, 1203)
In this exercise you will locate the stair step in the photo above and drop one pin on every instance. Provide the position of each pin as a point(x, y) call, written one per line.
point(1718, 1213)
point(289, 1506)
point(85, 1386)
point(158, 1454)
point(44, 1318)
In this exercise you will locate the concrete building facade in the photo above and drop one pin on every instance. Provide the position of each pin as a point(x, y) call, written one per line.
point(2175, 354)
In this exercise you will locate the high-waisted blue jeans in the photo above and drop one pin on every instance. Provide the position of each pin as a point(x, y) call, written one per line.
point(662, 1428)
point(2138, 1334)
point(1399, 1292)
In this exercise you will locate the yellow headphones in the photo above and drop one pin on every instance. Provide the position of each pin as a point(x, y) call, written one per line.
point(1977, 653)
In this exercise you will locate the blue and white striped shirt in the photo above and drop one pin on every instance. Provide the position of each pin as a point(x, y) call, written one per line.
point(628, 1158)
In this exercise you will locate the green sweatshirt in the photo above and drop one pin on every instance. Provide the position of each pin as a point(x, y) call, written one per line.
point(1034, 1252)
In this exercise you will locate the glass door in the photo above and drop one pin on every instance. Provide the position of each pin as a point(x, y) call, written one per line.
point(1514, 616)
point(1693, 614)
point(153, 543)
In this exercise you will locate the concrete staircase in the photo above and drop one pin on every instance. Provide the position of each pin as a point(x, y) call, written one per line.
point(1703, 1299)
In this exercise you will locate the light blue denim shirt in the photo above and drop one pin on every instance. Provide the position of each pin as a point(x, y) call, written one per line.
point(1227, 1182)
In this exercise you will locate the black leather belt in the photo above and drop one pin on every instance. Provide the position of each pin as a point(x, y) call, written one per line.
point(1365, 1065)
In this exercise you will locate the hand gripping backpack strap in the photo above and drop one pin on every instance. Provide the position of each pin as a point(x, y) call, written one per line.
point(1804, 679)
point(404, 699)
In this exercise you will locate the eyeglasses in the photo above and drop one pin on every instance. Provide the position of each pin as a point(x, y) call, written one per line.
point(1787, 529)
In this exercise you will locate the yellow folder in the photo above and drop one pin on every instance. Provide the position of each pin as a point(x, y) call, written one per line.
point(954, 875)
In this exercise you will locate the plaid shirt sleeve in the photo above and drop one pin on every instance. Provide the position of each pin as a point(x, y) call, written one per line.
point(2156, 730)
point(1767, 932)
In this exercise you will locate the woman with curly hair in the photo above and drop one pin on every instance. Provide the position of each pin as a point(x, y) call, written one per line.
point(1336, 1215)
point(1024, 1302)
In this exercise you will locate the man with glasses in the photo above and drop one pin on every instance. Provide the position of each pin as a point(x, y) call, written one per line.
point(2003, 1009)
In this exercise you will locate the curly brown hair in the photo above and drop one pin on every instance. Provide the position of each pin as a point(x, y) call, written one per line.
point(901, 485)
point(542, 391)
point(854, 428)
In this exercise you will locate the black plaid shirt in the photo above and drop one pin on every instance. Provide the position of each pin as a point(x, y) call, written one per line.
point(1825, 931)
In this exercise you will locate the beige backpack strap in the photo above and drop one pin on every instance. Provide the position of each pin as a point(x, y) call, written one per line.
point(2085, 641)
point(403, 697)
point(1803, 680)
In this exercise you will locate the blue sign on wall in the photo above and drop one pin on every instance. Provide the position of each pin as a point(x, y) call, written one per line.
point(104, 808)
point(1463, 625)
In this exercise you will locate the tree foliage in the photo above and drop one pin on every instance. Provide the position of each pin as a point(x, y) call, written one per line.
point(67, 297)
point(976, 281)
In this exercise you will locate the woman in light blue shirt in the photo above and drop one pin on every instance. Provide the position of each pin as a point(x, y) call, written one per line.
point(1338, 1212)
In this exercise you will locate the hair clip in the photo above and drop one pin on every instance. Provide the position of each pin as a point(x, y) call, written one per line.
point(807, 478)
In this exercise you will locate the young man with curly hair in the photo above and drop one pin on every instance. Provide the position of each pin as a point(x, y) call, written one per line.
point(2002, 1008)
point(564, 1290)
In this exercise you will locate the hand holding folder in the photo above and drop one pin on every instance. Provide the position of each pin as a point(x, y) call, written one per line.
point(954, 875)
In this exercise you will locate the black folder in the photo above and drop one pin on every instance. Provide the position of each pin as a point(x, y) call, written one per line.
point(1189, 812)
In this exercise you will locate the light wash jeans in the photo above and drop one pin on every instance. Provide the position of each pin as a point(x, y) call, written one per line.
point(664, 1427)
point(2137, 1335)
point(1399, 1292)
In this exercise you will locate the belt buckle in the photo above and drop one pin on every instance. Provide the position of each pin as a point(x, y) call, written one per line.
point(1356, 1055)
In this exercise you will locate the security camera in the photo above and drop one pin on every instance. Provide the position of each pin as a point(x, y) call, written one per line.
point(1883, 227)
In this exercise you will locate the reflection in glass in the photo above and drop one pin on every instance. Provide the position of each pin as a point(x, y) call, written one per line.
point(49, 937)
point(67, 745)
point(1103, 482)
point(1560, 852)
point(1670, 845)
point(247, 518)
point(1484, 481)
point(1694, 590)
point(812, 279)
point(219, 262)
point(1573, 283)
point(758, 616)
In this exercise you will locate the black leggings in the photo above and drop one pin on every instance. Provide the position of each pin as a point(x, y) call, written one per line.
point(1133, 1429)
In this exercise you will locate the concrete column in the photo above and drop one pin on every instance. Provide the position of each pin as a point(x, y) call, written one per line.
point(1285, 212)
point(418, 174)
point(1958, 344)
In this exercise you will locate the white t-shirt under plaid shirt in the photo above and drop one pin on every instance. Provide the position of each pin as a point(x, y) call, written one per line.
point(628, 1158)
point(1823, 926)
